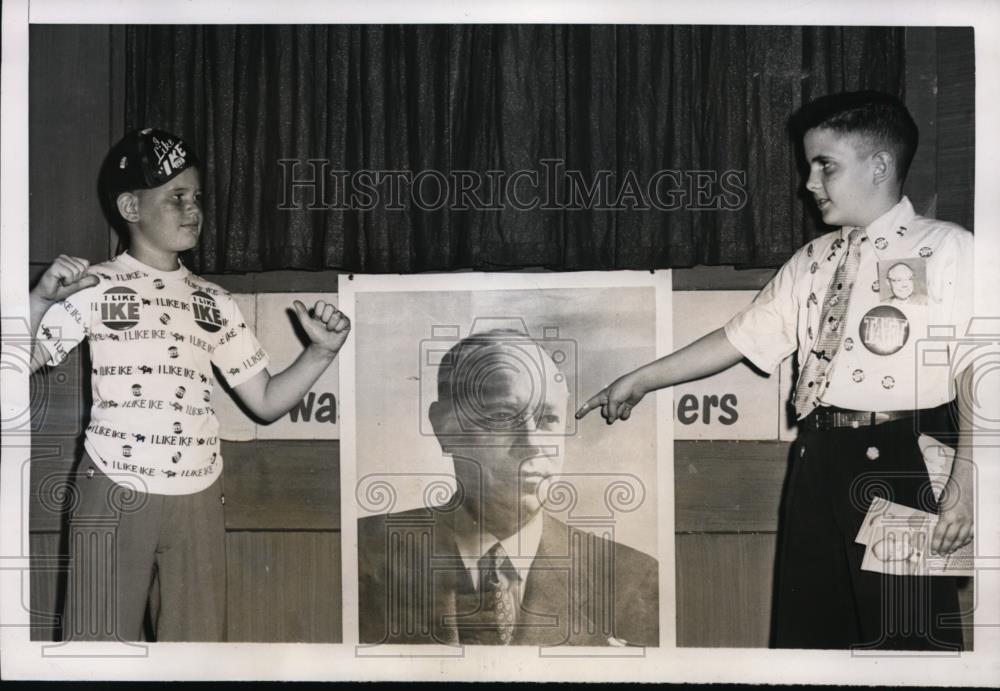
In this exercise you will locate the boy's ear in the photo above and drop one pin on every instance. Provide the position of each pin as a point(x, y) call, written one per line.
point(884, 165)
point(128, 206)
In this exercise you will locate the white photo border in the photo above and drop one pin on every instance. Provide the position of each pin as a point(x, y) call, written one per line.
point(21, 658)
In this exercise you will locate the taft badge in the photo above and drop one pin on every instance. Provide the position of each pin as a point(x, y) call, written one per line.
point(884, 330)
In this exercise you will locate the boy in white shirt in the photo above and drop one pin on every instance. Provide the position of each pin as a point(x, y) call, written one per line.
point(863, 394)
point(151, 464)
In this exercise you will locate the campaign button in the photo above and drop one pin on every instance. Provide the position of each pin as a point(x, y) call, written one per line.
point(120, 308)
point(884, 330)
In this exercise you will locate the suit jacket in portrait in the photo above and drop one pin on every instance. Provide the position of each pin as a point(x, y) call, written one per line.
point(582, 589)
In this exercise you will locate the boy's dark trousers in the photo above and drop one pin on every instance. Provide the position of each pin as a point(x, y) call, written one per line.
point(128, 549)
point(822, 597)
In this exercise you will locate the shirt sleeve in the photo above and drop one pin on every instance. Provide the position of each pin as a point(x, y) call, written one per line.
point(239, 356)
point(65, 325)
point(765, 330)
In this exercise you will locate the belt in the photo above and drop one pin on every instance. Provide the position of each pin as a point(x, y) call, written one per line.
point(832, 418)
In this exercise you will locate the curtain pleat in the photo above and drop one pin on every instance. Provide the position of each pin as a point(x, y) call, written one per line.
point(485, 147)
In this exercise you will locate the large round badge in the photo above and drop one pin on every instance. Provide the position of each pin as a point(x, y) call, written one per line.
point(206, 312)
point(120, 308)
point(884, 330)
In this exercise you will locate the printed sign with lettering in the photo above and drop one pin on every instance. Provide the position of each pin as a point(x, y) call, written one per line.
point(739, 403)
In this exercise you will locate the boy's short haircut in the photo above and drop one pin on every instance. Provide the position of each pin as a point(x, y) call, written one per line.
point(880, 119)
point(141, 160)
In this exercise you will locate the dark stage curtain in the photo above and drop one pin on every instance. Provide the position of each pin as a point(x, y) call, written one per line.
point(583, 147)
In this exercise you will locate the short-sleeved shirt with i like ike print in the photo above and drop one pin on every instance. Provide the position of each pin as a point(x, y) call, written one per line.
point(154, 336)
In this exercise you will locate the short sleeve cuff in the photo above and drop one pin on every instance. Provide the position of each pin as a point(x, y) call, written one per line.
point(55, 349)
point(765, 361)
point(236, 376)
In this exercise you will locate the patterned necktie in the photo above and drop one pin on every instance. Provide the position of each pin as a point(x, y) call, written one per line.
point(499, 602)
point(813, 379)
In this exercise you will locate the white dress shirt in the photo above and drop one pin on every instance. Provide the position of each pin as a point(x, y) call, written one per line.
point(896, 354)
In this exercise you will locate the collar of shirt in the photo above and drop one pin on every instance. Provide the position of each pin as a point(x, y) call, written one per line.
point(180, 272)
point(521, 547)
point(889, 233)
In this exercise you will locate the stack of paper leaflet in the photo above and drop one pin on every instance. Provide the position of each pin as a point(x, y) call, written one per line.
point(898, 539)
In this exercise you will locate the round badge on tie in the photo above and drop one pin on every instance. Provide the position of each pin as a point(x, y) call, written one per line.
point(884, 330)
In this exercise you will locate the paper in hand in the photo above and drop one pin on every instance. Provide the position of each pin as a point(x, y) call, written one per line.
point(898, 538)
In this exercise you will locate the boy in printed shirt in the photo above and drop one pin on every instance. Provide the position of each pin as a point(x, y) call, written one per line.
point(853, 304)
point(151, 463)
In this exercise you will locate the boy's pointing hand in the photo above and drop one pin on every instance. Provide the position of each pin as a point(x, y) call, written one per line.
point(616, 400)
point(327, 327)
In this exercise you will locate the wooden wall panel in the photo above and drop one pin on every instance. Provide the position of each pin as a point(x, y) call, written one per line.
point(60, 397)
point(284, 586)
point(728, 486)
point(724, 589)
point(282, 485)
